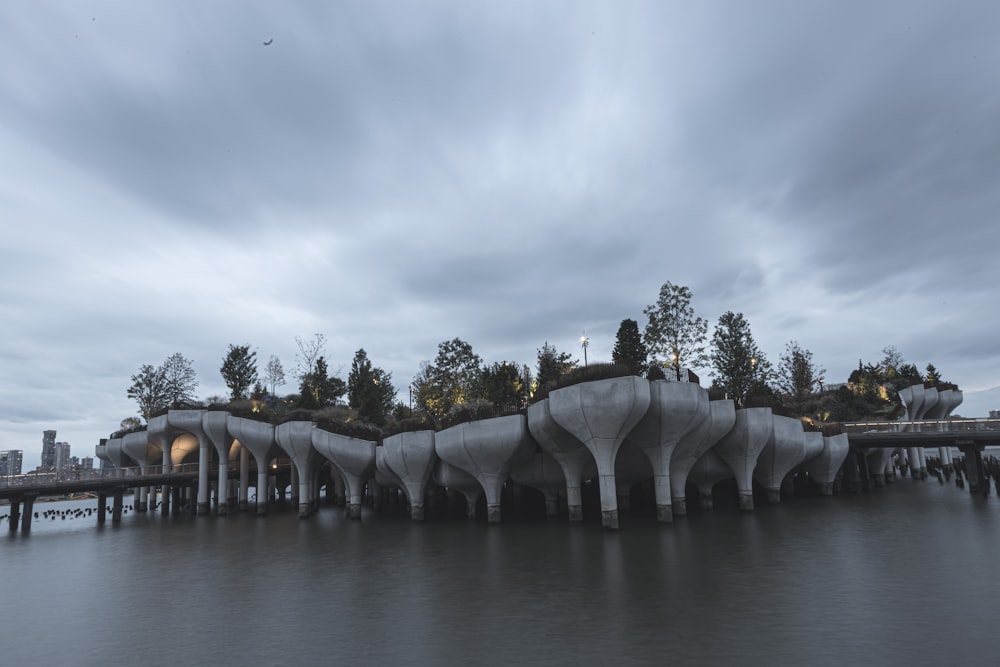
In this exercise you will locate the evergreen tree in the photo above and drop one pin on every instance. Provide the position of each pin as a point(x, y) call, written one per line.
point(739, 366)
point(502, 385)
point(674, 336)
point(552, 364)
point(629, 348)
point(798, 378)
point(318, 389)
point(932, 375)
point(239, 371)
point(370, 390)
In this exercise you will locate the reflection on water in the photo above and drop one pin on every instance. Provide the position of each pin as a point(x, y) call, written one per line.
point(903, 575)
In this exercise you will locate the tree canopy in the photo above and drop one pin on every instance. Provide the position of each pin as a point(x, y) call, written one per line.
point(452, 379)
point(239, 371)
point(740, 367)
point(674, 336)
point(552, 364)
point(370, 390)
point(274, 374)
point(629, 348)
point(798, 378)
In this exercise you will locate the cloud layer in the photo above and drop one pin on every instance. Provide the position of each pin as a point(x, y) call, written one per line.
point(395, 176)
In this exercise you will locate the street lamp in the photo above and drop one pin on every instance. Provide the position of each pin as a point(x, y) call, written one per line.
point(584, 342)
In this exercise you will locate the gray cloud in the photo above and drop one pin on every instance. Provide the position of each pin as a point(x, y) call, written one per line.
point(510, 174)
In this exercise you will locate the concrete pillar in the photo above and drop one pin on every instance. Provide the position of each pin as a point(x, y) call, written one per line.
point(459, 482)
point(296, 439)
point(203, 484)
point(784, 450)
point(102, 507)
point(487, 450)
point(741, 447)
point(564, 447)
point(14, 518)
point(599, 414)
point(823, 468)
point(675, 409)
point(693, 445)
point(29, 504)
point(116, 509)
point(244, 478)
point(411, 457)
point(354, 457)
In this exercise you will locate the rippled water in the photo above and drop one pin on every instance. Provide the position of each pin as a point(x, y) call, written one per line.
point(901, 576)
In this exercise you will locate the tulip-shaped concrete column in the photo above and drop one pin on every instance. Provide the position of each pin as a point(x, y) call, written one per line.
point(741, 447)
point(706, 473)
point(930, 411)
point(354, 457)
point(411, 457)
point(542, 472)
point(878, 460)
point(563, 446)
point(675, 409)
point(912, 398)
point(295, 438)
point(101, 451)
point(140, 447)
point(258, 438)
point(456, 479)
point(600, 414)
point(631, 468)
point(941, 410)
point(162, 435)
point(823, 469)
point(783, 452)
point(384, 476)
point(487, 450)
point(693, 445)
point(213, 422)
point(190, 422)
point(118, 458)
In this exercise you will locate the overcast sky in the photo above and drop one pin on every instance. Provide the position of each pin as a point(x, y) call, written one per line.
point(397, 174)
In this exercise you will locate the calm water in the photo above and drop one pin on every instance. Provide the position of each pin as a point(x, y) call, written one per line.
point(902, 576)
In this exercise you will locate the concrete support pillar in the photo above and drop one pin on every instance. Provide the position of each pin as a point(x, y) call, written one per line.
point(600, 414)
point(203, 455)
point(29, 504)
point(244, 478)
point(102, 507)
point(222, 488)
point(116, 509)
point(922, 457)
point(139, 498)
point(263, 493)
point(864, 471)
point(15, 514)
point(913, 460)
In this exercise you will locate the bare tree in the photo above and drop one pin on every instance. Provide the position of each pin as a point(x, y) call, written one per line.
point(274, 374)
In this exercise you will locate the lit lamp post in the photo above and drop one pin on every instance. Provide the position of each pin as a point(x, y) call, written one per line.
point(584, 342)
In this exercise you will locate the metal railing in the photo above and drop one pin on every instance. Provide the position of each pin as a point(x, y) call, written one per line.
point(930, 425)
point(96, 474)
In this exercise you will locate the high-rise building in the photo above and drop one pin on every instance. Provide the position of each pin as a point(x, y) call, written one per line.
point(62, 456)
point(87, 463)
point(10, 462)
point(48, 450)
